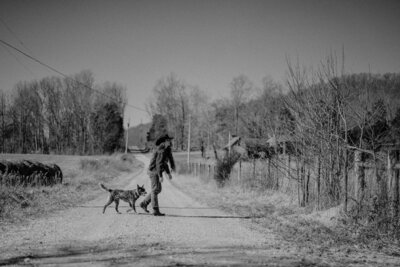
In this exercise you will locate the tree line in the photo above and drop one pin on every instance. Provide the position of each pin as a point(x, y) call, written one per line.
point(70, 115)
point(325, 115)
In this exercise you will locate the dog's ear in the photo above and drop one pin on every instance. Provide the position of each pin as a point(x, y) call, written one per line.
point(142, 186)
point(137, 186)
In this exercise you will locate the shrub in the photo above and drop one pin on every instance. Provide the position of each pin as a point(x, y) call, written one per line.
point(26, 173)
point(224, 167)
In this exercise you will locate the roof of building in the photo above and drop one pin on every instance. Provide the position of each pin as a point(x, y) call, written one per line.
point(234, 141)
point(280, 139)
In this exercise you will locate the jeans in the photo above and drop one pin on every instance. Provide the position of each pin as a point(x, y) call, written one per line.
point(155, 190)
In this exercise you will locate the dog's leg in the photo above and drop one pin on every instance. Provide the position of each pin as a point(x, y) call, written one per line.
point(130, 205)
point(133, 206)
point(110, 200)
point(116, 205)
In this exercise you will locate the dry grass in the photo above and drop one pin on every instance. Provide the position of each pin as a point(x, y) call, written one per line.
point(318, 232)
point(81, 177)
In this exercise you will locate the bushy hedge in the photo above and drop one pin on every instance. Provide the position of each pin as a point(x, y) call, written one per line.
point(27, 172)
point(224, 167)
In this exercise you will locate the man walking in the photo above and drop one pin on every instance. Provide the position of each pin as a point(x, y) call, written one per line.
point(159, 164)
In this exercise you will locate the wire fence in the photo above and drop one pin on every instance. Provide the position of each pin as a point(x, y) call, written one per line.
point(367, 180)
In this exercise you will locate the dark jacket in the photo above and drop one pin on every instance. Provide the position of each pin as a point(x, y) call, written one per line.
point(160, 159)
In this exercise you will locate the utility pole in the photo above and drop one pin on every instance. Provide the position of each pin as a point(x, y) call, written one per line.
point(229, 143)
point(188, 151)
point(126, 139)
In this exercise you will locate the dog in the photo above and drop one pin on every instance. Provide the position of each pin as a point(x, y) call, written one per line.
point(129, 196)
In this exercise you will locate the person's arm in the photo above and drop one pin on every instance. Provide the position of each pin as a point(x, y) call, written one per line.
point(171, 159)
point(167, 170)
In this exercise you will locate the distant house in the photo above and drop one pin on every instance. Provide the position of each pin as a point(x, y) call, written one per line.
point(234, 145)
point(235, 141)
point(249, 148)
point(282, 144)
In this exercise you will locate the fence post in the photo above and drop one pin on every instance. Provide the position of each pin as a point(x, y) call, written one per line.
point(254, 169)
point(240, 170)
point(393, 159)
point(318, 167)
point(276, 172)
point(360, 176)
point(346, 178)
point(303, 182)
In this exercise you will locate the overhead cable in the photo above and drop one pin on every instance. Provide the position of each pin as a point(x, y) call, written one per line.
point(15, 35)
point(64, 75)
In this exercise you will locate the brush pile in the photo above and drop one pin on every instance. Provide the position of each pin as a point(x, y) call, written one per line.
point(30, 173)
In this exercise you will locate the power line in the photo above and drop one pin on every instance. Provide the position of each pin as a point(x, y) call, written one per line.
point(64, 75)
point(22, 44)
point(14, 34)
point(17, 59)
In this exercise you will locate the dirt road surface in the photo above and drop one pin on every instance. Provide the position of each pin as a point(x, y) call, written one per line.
point(190, 234)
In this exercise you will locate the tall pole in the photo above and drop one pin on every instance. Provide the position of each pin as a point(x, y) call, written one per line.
point(188, 151)
point(229, 143)
point(126, 139)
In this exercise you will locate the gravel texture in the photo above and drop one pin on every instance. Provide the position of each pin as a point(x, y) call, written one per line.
point(190, 234)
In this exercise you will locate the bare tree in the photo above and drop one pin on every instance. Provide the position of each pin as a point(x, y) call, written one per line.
point(241, 88)
point(171, 100)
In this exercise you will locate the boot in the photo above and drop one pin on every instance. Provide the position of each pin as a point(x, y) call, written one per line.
point(156, 212)
point(144, 207)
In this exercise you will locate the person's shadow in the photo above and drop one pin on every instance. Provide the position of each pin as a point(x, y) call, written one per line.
point(179, 215)
point(209, 216)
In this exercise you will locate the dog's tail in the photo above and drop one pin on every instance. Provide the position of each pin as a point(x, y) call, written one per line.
point(105, 188)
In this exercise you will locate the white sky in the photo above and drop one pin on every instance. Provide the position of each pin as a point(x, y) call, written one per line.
point(205, 43)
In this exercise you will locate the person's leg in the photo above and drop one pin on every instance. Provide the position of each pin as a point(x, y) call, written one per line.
point(147, 199)
point(153, 196)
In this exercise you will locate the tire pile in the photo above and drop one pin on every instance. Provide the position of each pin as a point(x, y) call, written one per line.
point(31, 173)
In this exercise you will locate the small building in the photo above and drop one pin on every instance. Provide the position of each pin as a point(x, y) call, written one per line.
point(236, 146)
point(282, 144)
point(249, 148)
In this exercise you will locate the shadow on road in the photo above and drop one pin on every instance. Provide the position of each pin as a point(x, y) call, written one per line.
point(162, 207)
point(161, 255)
point(180, 215)
point(198, 216)
point(208, 216)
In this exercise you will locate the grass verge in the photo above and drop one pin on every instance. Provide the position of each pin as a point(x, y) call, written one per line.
point(82, 174)
point(314, 232)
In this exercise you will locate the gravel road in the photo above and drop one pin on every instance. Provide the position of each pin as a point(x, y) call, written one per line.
point(190, 234)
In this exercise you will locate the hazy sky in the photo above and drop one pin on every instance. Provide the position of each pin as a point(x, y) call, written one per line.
point(205, 43)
